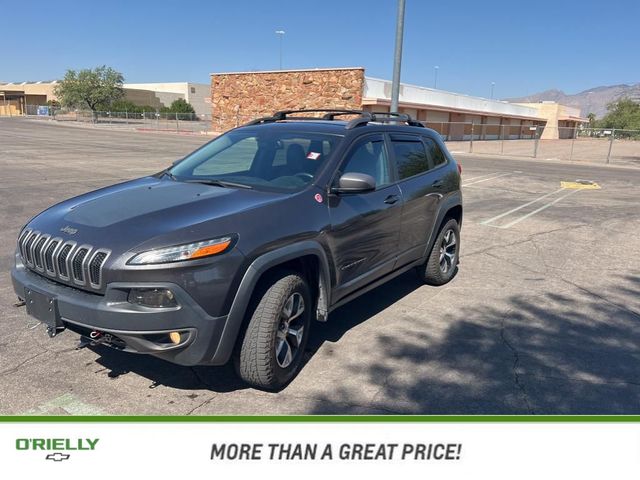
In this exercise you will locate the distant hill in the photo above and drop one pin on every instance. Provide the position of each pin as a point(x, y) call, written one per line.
point(593, 100)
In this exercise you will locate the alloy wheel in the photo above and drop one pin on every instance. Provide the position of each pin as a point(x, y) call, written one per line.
point(448, 250)
point(290, 330)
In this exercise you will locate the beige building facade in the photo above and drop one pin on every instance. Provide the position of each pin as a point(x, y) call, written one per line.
point(562, 120)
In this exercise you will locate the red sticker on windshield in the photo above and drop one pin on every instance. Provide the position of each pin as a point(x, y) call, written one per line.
point(313, 155)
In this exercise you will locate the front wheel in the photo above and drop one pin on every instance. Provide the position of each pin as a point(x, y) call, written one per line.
point(442, 263)
point(271, 352)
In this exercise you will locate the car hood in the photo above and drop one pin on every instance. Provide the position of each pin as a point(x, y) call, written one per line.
point(148, 212)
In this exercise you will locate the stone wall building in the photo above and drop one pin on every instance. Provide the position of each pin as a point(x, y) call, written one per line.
point(239, 97)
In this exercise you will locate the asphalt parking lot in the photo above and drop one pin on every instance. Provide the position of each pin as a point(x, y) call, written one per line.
point(543, 316)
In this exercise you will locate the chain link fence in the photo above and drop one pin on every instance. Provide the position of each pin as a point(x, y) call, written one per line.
point(603, 145)
point(152, 121)
point(600, 145)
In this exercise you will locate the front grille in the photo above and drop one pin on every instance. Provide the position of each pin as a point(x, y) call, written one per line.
point(28, 256)
point(63, 260)
point(48, 257)
point(95, 267)
point(76, 264)
point(37, 252)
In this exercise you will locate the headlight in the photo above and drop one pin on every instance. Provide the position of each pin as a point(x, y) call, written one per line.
point(178, 253)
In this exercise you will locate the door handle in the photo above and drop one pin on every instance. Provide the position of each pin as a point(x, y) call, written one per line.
point(437, 184)
point(391, 199)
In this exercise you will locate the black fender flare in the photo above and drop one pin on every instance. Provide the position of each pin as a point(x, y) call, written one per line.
point(451, 201)
point(248, 284)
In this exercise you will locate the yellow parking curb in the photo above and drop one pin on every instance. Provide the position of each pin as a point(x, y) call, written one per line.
point(580, 185)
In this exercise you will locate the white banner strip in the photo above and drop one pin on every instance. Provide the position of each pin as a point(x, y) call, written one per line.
point(321, 450)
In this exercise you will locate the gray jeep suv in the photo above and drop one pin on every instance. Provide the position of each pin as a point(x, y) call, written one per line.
point(232, 251)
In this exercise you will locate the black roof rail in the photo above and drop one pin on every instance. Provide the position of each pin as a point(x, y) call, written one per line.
point(384, 117)
point(330, 114)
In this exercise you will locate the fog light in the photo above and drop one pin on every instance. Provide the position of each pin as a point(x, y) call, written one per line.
point(174, 337)
point(152, 297)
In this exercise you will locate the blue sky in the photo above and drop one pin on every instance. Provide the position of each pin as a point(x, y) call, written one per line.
point(522, 46)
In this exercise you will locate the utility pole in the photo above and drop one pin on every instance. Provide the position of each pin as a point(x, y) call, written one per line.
point(280, 34)
point(435, 77)
point(493, 84)
point(397, 58)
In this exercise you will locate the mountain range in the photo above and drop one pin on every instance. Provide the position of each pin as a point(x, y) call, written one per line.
point(592, 100)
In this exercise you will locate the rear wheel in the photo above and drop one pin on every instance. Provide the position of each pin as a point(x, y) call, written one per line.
point(271, 352)
point(442, 264)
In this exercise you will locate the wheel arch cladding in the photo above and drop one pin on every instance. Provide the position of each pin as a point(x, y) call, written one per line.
point(450, 208)
point(294, 255)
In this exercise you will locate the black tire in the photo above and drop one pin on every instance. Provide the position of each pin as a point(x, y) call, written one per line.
point(432, 271)
point(257, 361)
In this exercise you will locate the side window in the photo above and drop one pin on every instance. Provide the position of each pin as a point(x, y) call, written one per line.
point(410, 156)
point(435, 153)
point(236, 158)
point(369, 157)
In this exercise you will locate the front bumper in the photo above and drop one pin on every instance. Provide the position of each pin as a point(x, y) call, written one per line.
point(136, 328)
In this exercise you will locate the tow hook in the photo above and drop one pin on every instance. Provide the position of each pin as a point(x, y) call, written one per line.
point(97, 337)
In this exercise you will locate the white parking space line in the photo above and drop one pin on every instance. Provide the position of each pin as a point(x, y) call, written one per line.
point(485, 179)
point(498, 217)
point(537, 210)
point(479, 176)
point(530, 214)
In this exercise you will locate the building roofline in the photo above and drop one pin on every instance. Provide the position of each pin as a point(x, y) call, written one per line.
point(327, 69)
point(440, 90)
point(444, 108)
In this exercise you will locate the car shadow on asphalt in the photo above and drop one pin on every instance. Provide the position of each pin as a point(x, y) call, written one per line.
point(566, 352)
point(223, 379)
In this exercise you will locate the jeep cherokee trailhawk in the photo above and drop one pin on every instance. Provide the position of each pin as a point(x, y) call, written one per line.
point(232, 251)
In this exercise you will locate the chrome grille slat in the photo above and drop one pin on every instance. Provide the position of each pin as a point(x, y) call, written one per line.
point(48, 256)
point(95, 267)
point(78, 263)
point(38, 249)
point(28, 254)
point(62, 260)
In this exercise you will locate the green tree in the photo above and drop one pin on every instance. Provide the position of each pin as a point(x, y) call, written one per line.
point(89, 88)
point(181, 106)
point(622, 115)
point(592, 120)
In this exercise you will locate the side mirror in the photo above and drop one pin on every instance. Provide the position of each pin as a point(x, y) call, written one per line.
point(352, 182)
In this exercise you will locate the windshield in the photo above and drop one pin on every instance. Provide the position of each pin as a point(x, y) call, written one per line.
point(268, 159)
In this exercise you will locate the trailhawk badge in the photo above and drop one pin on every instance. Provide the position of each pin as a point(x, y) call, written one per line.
point(69, 230)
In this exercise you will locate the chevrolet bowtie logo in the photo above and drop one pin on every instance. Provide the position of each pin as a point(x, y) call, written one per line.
point(58, 457)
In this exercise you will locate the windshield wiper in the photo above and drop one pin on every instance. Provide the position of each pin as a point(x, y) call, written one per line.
point(169, 174)
point(219, 183)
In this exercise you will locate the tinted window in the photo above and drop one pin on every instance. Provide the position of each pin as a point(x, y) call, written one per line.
point(434, 152)
point(369, 157)
point(411, 158)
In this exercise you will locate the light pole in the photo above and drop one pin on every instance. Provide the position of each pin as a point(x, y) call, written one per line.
point(435, 77)
point(280, 34)
point(493, 84)
point(397, 57)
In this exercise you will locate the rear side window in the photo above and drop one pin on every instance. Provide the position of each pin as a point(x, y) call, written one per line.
point(435, 153)
point(410, 157)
